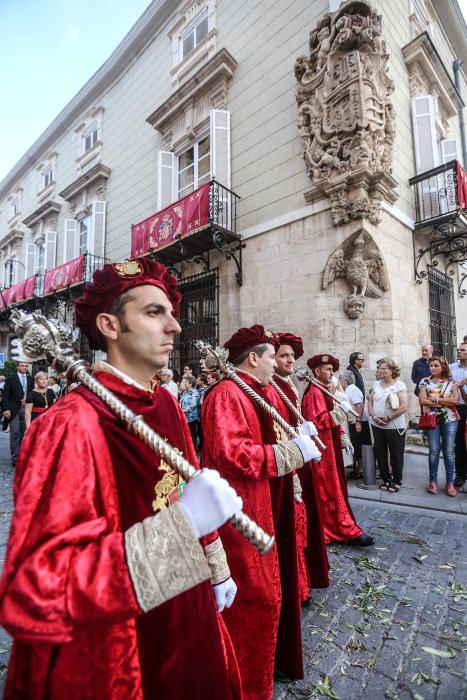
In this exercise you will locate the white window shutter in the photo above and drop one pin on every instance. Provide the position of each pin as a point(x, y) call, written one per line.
point(70, 248)
point(30, 260)
point(50, 249)
point(165, 179)
point(96, 244)
point(220, 146)
point(449, 150)
point(424, 132)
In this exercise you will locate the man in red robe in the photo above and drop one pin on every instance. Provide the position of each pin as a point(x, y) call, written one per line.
point(106, 588)
point(255, 455)
point(313, 565)
point(338, 521)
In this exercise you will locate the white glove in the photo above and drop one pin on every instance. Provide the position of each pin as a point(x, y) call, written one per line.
point(307, 428)
point(307, 447)
point(347, 446)
point(298, 498)
point(345, 406)
point(225, 593)
point(208, 502)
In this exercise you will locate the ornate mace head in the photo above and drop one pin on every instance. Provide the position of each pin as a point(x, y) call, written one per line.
point(40, 338)
point(302, 373)
point(214, 358)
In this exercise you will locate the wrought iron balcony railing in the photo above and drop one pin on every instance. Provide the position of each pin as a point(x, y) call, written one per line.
point(437, 196)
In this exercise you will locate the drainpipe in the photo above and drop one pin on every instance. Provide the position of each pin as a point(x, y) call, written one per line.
point(457, 79)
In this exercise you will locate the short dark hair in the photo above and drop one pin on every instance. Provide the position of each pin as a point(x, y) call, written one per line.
point(353, 357)
point(258, 349)
point(117, 308)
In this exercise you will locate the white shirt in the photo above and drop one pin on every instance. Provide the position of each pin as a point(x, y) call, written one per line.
point(382, 407)
point(458, 373)
point(354, 395)
point(172, 387)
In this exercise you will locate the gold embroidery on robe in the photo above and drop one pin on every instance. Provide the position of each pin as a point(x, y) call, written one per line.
point(279, 432)
point(169, 489)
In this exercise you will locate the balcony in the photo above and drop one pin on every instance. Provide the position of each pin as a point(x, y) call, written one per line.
point(441, 213)
point(440, 195)
point(71, 274)
point(20, 292)
point(190, 228)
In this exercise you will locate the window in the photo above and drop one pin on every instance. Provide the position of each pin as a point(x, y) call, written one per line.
point(90, 138)
point(84, 229)
point(13, 209)
point(194, 36)
point(40, 257)
point(47, 178)
point(194, 167)
point(442, 314)
point(9, 274)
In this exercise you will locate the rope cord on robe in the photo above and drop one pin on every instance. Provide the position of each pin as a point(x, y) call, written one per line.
point(295, 411)
point(41, 338)
point(306, 375)
point(216, 358)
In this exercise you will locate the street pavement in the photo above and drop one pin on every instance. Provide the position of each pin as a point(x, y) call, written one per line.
point(393, 623)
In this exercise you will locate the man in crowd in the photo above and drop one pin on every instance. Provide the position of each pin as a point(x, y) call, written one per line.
point(168, 382)
point(188, 371)
point(459, 373)
point(311, 546)
point(338, 520)
point(356, 361)
point(258, 459)
point(421, 367)
point(17, 387)
point(108, 592)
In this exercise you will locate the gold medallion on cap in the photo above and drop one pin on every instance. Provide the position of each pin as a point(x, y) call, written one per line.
point(129, 268)
point(269, 334)
point(324, 359)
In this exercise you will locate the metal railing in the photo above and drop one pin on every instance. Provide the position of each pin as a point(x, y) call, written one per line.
point(435, 194)
point(222, 207)
point(91, 264)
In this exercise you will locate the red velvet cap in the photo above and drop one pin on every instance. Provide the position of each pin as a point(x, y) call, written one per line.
point(295, 342)
point(246, 338)
point(113, 280)
point(325, 359)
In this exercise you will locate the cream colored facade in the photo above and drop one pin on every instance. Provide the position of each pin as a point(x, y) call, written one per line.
point(243, 66)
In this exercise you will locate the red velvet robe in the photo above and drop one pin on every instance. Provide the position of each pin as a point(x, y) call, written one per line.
point(316, 556)
point(329, 474)
point(237, 439)
point(66, 594)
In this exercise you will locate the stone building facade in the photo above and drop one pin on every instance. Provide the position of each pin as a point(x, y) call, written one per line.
point(316, 115)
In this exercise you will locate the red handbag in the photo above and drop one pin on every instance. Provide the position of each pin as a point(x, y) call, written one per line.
point(427, 421)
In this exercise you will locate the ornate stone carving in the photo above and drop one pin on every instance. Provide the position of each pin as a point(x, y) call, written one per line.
point(345, 117)
point(358, 260)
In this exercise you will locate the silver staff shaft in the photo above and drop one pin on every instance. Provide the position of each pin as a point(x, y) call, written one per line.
point(304, 375)
point(295, 411)
point(215, 358)
point(241, 522)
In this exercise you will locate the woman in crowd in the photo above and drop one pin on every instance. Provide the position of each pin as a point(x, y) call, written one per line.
point(39, 400)
point(387, 408)
point(439, 396)
point(189, 402)
point(358, 427)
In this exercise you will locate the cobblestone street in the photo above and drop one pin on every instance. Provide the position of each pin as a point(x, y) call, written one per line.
point(393, 623)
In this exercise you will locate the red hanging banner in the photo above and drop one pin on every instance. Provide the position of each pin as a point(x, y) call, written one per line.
point(19, 292)
point(64, 276)
point(160, 230)
point(461, 186)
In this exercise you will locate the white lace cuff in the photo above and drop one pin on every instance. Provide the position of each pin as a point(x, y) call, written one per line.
point(288, 457)
point(164, 557)
point(217, 561)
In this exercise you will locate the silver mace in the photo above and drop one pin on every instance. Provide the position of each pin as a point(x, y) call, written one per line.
point(295, 411)
point(304, 374)
point(43, 339)
point(216, 358)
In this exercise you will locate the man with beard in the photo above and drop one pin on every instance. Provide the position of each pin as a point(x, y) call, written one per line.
point(259, 460)
point(313, 565)
point(106, 586)
point(338, 521)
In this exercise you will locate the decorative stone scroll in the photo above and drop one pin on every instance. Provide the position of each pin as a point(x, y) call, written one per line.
point(358, 260)
point(345, 117)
